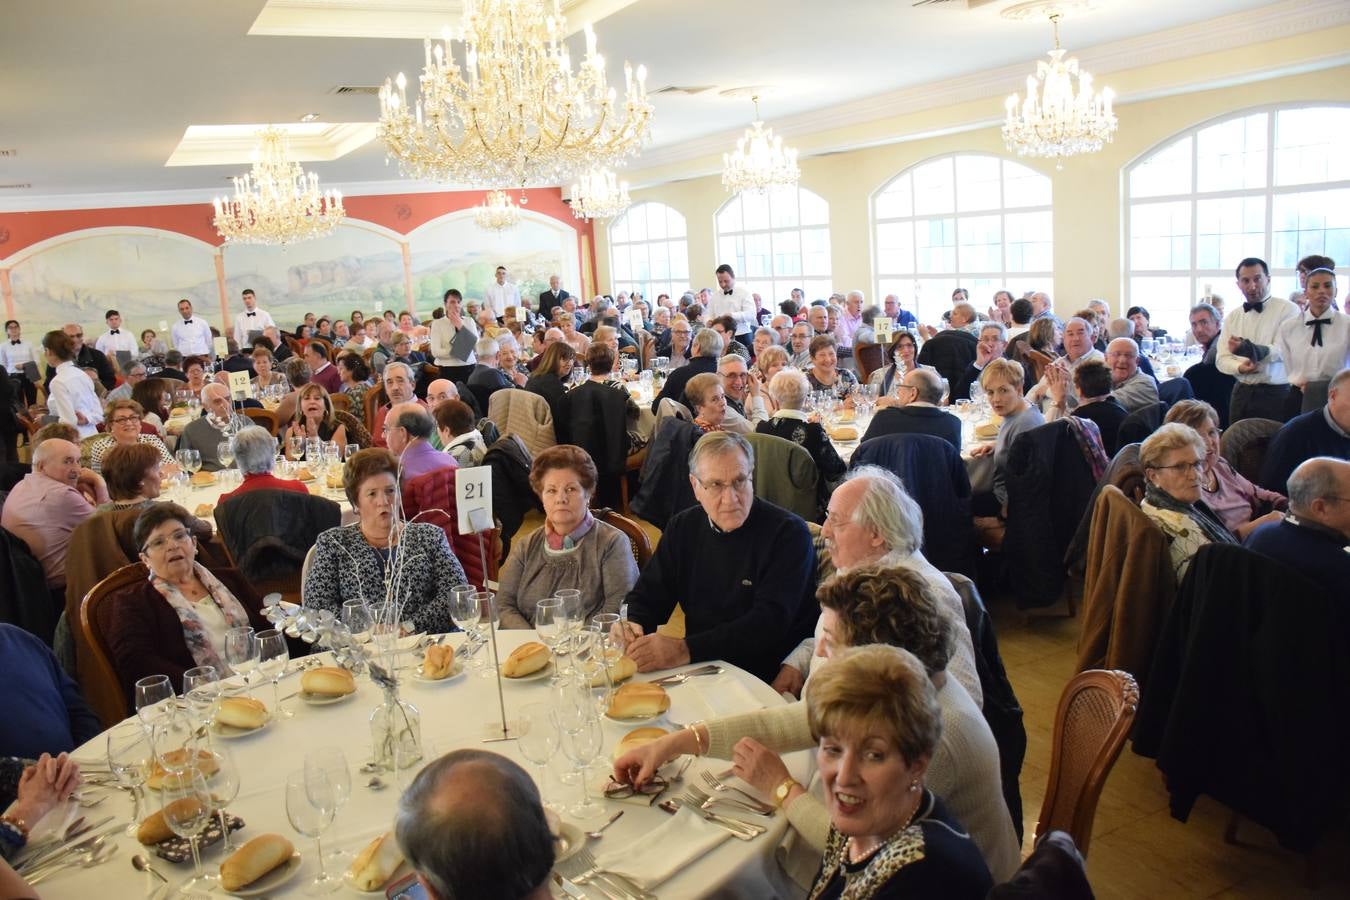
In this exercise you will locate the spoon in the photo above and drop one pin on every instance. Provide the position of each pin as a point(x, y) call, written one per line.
point(141, 864)
point(375, 783)
point(612, 819)
point(91, 802)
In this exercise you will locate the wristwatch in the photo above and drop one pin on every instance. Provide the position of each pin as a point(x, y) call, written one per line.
point(780, 793)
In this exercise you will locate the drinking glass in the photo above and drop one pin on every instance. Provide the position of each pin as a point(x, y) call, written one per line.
point(225, 453)
point(611, 636)
point(173, 740)
point(186, 803)
point(223, 784)
point(465, 614)
point(273, 655)
point(349, 451)
point(550, 623)
point(333, 763)
point(332, 453)
point(201, 689)
point(537, 738)
point(153, 694)
point(357, 618)
point(295, 446)
point(571, 598)
point(311, 803)
point(193, 462)
point(241, 652)
point(581, 745)
point(488, 617)
point(129, 756)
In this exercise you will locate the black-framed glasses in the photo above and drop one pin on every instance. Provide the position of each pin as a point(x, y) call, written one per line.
point(618, 790)
point(1185, 467)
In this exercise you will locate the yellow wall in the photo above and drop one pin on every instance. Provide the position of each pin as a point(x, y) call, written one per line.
point(1087, 191)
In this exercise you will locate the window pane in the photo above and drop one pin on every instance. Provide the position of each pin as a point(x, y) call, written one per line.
point(757, 256)
point(977, 183)
point(816, 251)
point(1168, 300)
point(674, 223)
point(814, 209)
point(783, 208)
point(732, 252)
point(618, 229)
point(637, 225)
point(679, 261)
point(1231, 155)
point(981, 243)
point(1160, 235)
point(897, 200)
point(641, 267)
point(1166, 172)
point(787, 253)
point(755, 208)
point(1023, 186)
point(621, 263)
point(1311, 222)
point(659, 254)
point(935, 240)
point(1030, 242)
point(656, 221)
point(729, 218)
point(895, 247)
point(1310, 145)
point(1228, 230)
point(765, 257)
point(934, 188)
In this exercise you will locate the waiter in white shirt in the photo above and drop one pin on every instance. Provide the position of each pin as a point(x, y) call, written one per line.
point(1316, 344)
point(13, 354)
point(191, 334)
point(498, 296)
point(116, 337)
point(734, 301)
point(1248, 347)
point(251, 319)
point(443, 333)
point(70, 396)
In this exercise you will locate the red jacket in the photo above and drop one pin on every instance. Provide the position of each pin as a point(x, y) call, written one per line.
point(268, 482)
point(431, 498)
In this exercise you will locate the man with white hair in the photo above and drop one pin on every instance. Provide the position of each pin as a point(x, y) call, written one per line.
point(1132, 388)
point(744, 395)
point(706, 349)
point(782, 326)
point(1078, 349)
point(44, 508)
point(135, 374)
point(438, 391)
point(552, 298)
point(1041, 307)
point(901, 317)
point(486, 375)
point(220, 423)
point(399, 383)
point(799, 345)
point(919, 411)
point(849, 321)
point(408, 429)
point(1313, 536)
point(255, 453)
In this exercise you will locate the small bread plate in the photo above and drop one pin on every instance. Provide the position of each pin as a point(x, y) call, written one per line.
point(325, 699)
point(394, 876)
point(567, 838)
point(455, 671)
point(546, 671)
point(271, 881)
point(229, 732)
point(630, 719)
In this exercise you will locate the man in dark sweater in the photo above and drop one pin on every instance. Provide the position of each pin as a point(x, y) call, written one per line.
point(1092, 381)
point(741, 568)
point(921, 392)
point(1313, 537)
point(707, 348)
point(1321, 432)
point(45, 712)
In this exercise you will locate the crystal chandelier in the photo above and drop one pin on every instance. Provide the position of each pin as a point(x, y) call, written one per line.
point(760, 162)
point(277, 202)
point(516, 114)
point(1059, 122)
point(598, 194)
point(497, 212)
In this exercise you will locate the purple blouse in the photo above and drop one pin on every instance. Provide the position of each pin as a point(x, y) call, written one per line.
point(1235, 500)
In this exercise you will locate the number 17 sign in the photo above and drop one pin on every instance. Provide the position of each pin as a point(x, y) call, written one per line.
point(473, 499)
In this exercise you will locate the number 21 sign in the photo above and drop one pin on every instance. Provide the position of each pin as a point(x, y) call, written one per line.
point(473, 499)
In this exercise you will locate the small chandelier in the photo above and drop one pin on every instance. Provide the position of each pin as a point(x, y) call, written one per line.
point(598, 194)
point(1059, 122)
point(498, 212)
point(277, 202)
point(760, 162)
point(516, 113)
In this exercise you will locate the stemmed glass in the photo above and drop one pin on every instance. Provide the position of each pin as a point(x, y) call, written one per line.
point(241, 652)
point(581, 744)
point(273, 655)
point(465, 614)
point(550, 623)
point(311, 803)
point(154, 694)
point(571, 598)
point(349, 451)
point(357, 618)
point(488, 617)
point(186, 803)
point(537, 739)
point(332, 762)
point(201, 689)
point(129, 756)
point(189, 461)
point(295, 446)
point(224, 786)
point(594, 664)
point(225, 453)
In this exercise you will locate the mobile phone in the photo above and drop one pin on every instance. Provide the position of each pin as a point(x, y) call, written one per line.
point(406, 888)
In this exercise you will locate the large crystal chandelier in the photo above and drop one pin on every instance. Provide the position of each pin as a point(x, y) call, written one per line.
point(497, 212)
point(1055, 121)
point(759, 162)
point(598, 194)
point(516, 114)
point(277, 202)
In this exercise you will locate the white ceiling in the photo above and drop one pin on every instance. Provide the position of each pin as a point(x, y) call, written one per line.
point(95, 96)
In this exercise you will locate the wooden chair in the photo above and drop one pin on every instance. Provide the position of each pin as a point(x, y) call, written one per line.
point(868, 358)
point(1244, 446)
point(642, 545)
point(375, 398)
point(367, 353)
point(296, 345)
point(327, 345)
point(646, 349)
point(1038, 361)
point(107, 701)
point(634, 464)
point(1095, 715)
point(264, 417)
point(341, 402)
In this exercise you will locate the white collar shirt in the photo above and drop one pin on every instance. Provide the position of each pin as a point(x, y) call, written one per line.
point(13, 356)
point(739, 304)
point(497, 297)
point(72, 394)
point(244, 323)
point(1263, 329)
point(192, 337)
point(109, 344)
point(1305, 363)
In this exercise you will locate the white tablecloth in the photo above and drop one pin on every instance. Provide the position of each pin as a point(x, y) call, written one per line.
point(455, 715)
point(979, 468)
point(191, 498)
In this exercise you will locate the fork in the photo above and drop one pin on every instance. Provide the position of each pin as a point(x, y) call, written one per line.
point(703, 800)
point(719, 786)
point(681, 677)
point(582, 869)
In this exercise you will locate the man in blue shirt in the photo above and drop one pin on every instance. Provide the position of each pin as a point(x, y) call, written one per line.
point(43, 710)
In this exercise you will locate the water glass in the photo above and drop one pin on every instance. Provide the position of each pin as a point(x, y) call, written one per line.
point(488, 617)
point(581, 745)
point(356, 616)
point(465, 614)
point(349, 451)
point(223, 784)
point(154, 695)
point(186, 803)
point(311, 804)
point(550, 624)
point(241, 651)
point(333, 763)
point(129, 756)
point(273, 655)
point(538, 740)
point(225, 453)
point(295, 446)
point(201, 689)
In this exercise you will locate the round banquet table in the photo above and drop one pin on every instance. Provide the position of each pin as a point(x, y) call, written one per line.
point(456, 714)
point(196, 499)
point(979, 468)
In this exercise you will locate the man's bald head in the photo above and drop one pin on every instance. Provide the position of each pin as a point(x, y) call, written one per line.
point(1319, 491)
point(440, 390)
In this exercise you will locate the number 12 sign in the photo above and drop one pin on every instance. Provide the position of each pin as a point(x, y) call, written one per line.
point(473, 499)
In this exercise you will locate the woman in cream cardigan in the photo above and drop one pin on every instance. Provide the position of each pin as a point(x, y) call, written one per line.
point(868, 605)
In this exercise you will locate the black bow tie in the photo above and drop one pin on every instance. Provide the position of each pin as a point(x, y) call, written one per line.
point(1316, 326)
point(250, 315)
point(16, 343)
point(113, 331)
point(1259, 305)
point(726, 292)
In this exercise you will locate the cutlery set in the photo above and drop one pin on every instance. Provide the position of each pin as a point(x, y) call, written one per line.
point(582, 869)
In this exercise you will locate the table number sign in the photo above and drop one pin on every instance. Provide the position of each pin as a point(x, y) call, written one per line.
point(221, 346)
point(634, 319)
point(881, 327)
point(473, 497)
point(239, 385)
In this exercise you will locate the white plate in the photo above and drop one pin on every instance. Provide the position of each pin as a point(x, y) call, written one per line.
point(455, 671)
point(546, 671)
point(629, 719)
point(324, 699)
point(229, 732)
point(271, 881)
point(398, 873)
point(569, 840)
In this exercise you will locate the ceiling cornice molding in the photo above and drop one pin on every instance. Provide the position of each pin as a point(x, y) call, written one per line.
point(397, 19)
point(1279, 20)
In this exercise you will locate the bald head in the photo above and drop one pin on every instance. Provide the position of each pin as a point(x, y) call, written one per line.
point(1319, 491)
point(1122, 358)
point(440, 390)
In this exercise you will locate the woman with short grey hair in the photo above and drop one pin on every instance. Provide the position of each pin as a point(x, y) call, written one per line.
point(255, 453)
point(789, 389)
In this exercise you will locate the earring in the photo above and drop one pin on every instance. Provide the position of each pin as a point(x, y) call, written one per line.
point(914, 786)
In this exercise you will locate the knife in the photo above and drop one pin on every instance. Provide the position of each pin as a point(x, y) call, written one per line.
point(72, 838)
point(569, 888)
point(743, 830)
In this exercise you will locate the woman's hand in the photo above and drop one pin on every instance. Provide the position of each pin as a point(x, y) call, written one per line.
point(759, 766)
point(789, 681)
point(1247, 528)
point(982, 450)
point(636, 767)
point(311, 427)
point(1057, 380)
point(44, 784)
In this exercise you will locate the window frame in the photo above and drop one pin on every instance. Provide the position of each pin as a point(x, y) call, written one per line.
point(770, 286)
point(651, 287)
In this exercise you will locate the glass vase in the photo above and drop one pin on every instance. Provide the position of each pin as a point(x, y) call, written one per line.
point(395, 733)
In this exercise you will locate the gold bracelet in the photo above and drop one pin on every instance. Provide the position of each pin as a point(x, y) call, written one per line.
point(698, 742)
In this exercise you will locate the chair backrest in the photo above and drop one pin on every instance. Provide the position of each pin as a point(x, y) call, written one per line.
point(264, 417)
point(785, 474)
point(1175, 389)
point(868, 358)
point(430, 498)
point(304, 566)
point(1138, 425)
point(110, 705)
point(1038, 362)
point(342, 402)
point(646, 348)
point(668, 408)
point(1096, 712)
point(1244, 445)
point(375, 398)
point(525, 414)
point(642, 545)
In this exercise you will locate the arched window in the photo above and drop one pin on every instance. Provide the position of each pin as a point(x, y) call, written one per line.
point(776, 241)
point(649, 252)
point(973, 221)
point(1273, 183)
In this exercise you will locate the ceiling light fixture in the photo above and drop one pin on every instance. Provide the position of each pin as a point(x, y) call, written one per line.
point(516, 114)
point(498, 212)
point(759, 162)
point(310, 117)
point(1055, 120)
point(277, 202)
point(598, 194)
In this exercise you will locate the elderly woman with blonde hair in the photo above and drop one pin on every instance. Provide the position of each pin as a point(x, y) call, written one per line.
point(1173, 459)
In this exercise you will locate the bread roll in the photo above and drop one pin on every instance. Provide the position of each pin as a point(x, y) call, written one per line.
point(155, 827)
point(327, 681)
point(987, 430)
point(438, 661)
point(525, 660)
point(622, 670)
point(204, 511)
point(207, 764)
point(640, 699)
point(254, 860)
point(242, 712)
point(374, 865)
point(636, 738)
point(304, 474)
point(844, 432)
point(202, 479)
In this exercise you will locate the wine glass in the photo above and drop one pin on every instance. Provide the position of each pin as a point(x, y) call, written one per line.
point(571, 598)
point(550, 622)
point(581, 745)
point(311, 803)
point(153, 695)
point(295, 446)
point(241, 651)
point(225, 453)
point(333, 763)
point(194, 461)
point(357, 618)
point(488, 617)
point(129, 756)
point(173, 740)
point(273, 655)
point(594, 664)
point(537, 739)
point(201, 689)
point(465, 614)
point(186, 803)
point(224, 786)
point(332, 453)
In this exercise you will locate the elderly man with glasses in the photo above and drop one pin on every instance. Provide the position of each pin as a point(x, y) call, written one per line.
point(742, 569)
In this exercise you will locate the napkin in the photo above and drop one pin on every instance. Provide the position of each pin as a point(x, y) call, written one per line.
point(723, 695)
point(663, 852)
